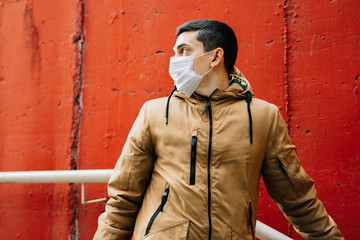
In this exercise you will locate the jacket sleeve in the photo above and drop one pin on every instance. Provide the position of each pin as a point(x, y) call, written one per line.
point(128, 183)
point(293, 190)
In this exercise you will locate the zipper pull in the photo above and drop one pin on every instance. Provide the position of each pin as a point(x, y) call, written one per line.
point(208, 101)
point(164, 198)
point(206, 107)
point(193, 140)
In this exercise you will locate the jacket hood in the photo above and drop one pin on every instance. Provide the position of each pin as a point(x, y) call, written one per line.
point(236, 74)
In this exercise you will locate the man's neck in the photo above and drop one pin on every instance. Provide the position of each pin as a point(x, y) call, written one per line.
point(217, 80)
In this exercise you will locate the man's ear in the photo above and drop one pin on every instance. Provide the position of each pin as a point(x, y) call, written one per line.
point(218, 57)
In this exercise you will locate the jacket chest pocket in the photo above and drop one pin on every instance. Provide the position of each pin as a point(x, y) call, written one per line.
point(193, 158)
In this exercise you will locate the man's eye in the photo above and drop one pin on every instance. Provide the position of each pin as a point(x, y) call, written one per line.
point(184, 50)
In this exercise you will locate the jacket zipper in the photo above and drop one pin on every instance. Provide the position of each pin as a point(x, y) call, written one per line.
point(209, 173)
point(208, 107)
point(193, 160)
point(164, 198)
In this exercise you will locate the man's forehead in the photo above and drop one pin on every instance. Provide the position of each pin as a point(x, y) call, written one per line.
point(187, 39)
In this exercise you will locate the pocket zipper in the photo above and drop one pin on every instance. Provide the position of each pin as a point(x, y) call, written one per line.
point(283, 167)
point(164, 198)
point(193, 160)
point(250, 220)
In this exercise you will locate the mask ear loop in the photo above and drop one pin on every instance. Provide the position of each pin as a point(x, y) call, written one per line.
point(206, 72)
point(204, 54)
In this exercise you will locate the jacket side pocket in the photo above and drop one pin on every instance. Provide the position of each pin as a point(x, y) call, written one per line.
point(178, 231)
point(164, 198)
point(193, 160)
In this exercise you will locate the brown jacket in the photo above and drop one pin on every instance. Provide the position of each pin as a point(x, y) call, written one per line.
point(197, 177)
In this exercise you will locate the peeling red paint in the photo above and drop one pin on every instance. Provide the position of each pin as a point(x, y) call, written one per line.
point(78, 40)
point(286, 63)
point(32, 38)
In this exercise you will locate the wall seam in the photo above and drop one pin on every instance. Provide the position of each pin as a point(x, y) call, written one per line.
point(286, 64)
point(78, 41)
point(286, 81)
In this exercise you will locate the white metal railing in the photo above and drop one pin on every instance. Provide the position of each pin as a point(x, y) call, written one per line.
point(262, 231)
point(63, 176)
point(66, 176)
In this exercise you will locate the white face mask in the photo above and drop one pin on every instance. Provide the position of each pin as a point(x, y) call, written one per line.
point(181, 70)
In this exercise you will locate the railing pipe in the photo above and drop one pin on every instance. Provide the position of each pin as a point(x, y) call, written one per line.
point(69, 176)
point(264, 232)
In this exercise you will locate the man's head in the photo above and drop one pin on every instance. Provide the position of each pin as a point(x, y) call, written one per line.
point(214, 34)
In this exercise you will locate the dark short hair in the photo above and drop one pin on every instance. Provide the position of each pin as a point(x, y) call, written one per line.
point(214, 34)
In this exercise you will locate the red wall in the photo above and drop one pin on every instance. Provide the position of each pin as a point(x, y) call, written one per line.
point(74, 74)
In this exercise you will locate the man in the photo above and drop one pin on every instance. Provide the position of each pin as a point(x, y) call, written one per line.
point(194, 173)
